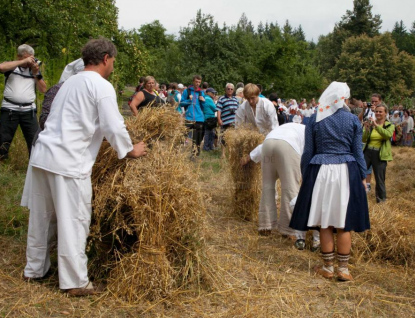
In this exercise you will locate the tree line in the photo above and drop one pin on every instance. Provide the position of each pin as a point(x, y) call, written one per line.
point(277, 57)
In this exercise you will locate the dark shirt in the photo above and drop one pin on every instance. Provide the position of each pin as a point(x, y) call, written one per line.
point(149, 98)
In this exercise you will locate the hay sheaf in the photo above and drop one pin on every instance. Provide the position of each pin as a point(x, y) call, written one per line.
point(392, 237)
point(149, 213)
point(247, 179)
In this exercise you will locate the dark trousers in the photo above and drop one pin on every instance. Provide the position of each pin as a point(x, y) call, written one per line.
point(209, 139)
point(197, 129)
point(379, 168)
point(9, 120)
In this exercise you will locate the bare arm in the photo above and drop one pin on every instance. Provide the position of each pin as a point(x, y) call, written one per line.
point(137, 100)
point(220, 122)
point(10, 66)
point(40, 83)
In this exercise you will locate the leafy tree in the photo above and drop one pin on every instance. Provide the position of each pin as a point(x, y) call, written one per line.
point(153, 35)
point(405, 41)
point(375, 65)
point(360, 20)
point(299, 34)
point(55, 25)
point(354, 23)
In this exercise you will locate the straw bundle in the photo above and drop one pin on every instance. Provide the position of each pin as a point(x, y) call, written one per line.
point(247, 179)
point(392, 235)
point(146, 233)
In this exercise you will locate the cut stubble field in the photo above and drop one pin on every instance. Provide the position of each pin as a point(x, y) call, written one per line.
point(254, 276)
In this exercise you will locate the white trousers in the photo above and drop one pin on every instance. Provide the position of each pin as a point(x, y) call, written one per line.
point(58, 205)
point(279, 161)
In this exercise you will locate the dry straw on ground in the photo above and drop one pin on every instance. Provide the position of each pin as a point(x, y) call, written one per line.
point(247, 179)
point(392, 236)
point(146, 233)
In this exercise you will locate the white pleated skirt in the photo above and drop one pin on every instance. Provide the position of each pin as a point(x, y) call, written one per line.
point(330, 197)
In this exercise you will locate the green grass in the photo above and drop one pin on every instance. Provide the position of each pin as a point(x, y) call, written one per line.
point(210, 163)
point(13, 217)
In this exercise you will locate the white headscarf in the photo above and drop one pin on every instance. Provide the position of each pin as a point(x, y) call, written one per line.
point(332, 99)
point(71, 69)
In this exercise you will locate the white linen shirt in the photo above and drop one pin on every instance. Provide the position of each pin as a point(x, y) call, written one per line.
point(292, 133)
point(265, 118)
point(84, 111)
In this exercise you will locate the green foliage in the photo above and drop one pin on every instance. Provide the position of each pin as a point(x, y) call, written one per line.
point(360, 20)
point(278, 59)
point(354, 23)
point(405, 41)
point(374, 65)
point(58, 29)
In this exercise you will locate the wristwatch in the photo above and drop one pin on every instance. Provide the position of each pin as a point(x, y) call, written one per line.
point(39, 76)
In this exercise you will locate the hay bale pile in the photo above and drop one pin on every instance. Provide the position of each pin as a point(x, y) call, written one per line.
point(247, 179)
point(392, 234)
point(391, 237)
point(149, 213)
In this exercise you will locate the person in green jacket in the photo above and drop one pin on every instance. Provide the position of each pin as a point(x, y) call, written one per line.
point(377, 134)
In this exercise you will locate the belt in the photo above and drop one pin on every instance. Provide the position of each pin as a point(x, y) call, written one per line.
point(17, 104)
point(373, 148)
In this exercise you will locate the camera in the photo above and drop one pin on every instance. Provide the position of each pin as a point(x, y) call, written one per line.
point(369, 104)
point(38, 62)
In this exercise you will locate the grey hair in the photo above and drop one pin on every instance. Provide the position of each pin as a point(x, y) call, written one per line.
point(239, 90)
point(230, 85)
point(25, 49)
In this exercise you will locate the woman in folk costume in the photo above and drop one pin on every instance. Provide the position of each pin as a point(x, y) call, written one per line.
point(332, 195)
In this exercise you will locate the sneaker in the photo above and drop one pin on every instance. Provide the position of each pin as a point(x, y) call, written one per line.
point(300, 244)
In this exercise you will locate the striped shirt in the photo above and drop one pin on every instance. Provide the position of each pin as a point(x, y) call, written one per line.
point(227, 106)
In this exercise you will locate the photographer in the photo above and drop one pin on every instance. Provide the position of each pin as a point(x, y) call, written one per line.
point(22, 78)
point(377, 135)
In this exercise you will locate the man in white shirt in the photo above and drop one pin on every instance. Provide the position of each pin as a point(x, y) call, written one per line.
point(18, 107)
point(280, 157)
point(257, 111)
point(59, 191)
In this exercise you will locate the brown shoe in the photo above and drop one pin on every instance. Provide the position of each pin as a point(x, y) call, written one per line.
point(88, 290)
point(319, 270)
point(344, 277)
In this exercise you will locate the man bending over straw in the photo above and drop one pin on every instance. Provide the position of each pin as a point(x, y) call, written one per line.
point(59, 192)
point(280, 157)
